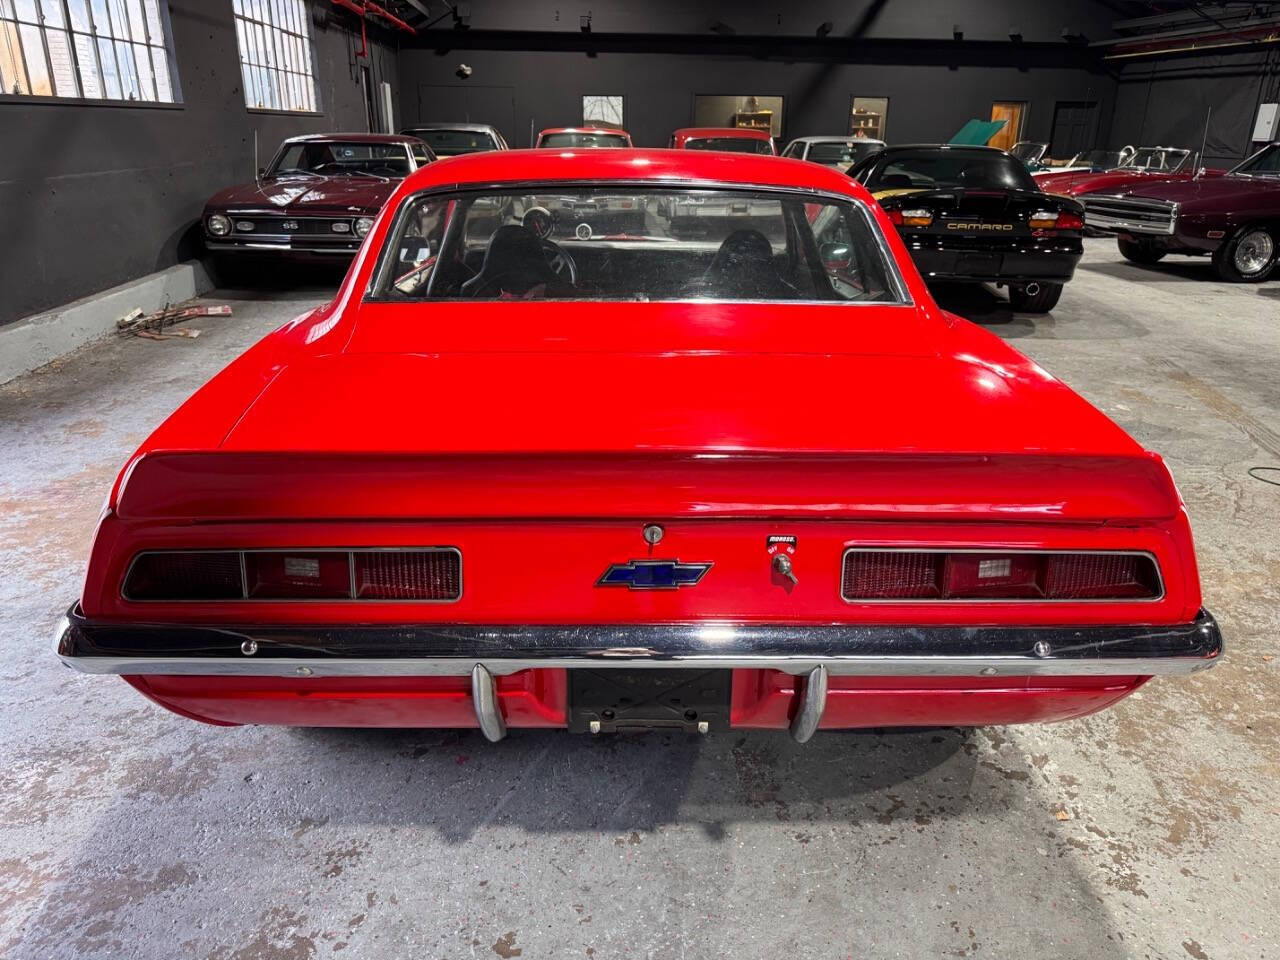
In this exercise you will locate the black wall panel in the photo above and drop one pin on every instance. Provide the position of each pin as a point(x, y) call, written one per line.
point(1167, 101)
point(927, 102)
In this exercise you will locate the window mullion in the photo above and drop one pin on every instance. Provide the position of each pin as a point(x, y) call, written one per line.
point(272, 31)
point(22, 53)
point(115, 54)
point(151, 53)
point(97, 53)
point(71, 49)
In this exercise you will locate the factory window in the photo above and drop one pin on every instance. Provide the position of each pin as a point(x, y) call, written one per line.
point(277, 60)
point(87, 50)
point(602, 111)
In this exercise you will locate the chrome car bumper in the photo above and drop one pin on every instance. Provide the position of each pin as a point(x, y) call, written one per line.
point(454, 649)
point(484, 652)
point(345, 249)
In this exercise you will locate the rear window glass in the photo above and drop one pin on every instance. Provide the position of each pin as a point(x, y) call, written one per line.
point(335, 157)
point(730, 144)
point(945, 169)
point(583, 140)
point(835, 153)
point(451, 143)
point(629, 243)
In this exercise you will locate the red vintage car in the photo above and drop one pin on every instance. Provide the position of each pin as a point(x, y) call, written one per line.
point(316, 198)
point(576, 138)
point(753, 480)
point(1148, 164)
point(724, 139)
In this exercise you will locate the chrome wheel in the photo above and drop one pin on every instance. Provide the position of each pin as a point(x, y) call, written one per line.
point(1254, 252)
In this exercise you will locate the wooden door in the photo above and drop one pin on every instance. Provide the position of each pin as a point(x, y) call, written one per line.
point(1012, 112)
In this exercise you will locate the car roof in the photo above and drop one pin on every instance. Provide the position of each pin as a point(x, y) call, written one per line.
point(662, 167)
point(844, 139)
point(352, 138)
point(468, 127)
point(615, 130)
point(745, 133)
point(973, 148)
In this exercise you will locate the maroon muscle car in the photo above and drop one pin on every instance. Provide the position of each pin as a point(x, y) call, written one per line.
point(317, 197)
point(1234, 218)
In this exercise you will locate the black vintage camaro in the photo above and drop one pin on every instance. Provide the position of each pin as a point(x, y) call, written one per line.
point(974, 214)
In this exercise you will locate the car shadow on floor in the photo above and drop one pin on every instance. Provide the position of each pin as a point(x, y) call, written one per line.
point(553, 781)
point(282, 281)
point(983, 305)
point(1179, 270)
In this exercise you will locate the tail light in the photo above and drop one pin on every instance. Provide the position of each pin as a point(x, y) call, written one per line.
point(407, 575)
point(417, 574)
point(878, 575)
point(1055, 220)
point(191, 576)
point(297, 575)
point(917, 218)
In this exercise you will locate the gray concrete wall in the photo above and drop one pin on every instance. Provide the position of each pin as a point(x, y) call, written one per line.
point(92, 196)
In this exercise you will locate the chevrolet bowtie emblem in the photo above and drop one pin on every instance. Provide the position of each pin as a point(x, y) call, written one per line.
point(653, 575)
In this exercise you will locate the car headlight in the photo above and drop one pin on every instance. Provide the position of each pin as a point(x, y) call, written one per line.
point(219, 225)
point(363, 226)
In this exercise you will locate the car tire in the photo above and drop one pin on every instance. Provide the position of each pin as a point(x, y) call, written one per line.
point(1142, 251)
point(1042, 301)
point(1249, 255)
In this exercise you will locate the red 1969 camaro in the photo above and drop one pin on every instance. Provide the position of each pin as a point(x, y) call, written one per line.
point(751, 478)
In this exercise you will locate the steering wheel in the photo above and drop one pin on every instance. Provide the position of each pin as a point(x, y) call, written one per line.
point(561, 263)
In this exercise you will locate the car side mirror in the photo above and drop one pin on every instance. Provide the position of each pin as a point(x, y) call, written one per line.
point(835, 256)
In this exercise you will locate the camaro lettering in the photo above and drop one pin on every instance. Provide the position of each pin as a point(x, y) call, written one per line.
point(979, 226)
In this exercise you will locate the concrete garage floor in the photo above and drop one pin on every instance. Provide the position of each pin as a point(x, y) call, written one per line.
point(1147, 831)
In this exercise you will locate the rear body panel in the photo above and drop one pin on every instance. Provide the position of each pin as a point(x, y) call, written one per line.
point(985, 236)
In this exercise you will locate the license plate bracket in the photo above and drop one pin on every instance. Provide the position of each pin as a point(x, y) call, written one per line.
point(981, 264)
point(606, 701)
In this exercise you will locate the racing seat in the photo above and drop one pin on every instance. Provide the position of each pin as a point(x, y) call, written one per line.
point(514, 263)
point(744, 267)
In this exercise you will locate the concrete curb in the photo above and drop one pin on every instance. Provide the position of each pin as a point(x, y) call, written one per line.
point(36, 340)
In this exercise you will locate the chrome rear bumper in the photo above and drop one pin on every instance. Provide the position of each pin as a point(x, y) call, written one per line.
point(456, 649)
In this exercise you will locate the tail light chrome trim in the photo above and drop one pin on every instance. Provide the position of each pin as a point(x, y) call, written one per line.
point(1001, 551)
point(244, 597)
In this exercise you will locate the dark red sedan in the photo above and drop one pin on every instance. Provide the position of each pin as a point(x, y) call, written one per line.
point(1233, 218)
point(316, 198)
point(754, 478)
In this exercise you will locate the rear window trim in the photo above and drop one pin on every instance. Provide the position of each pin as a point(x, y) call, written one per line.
point(384, 264)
